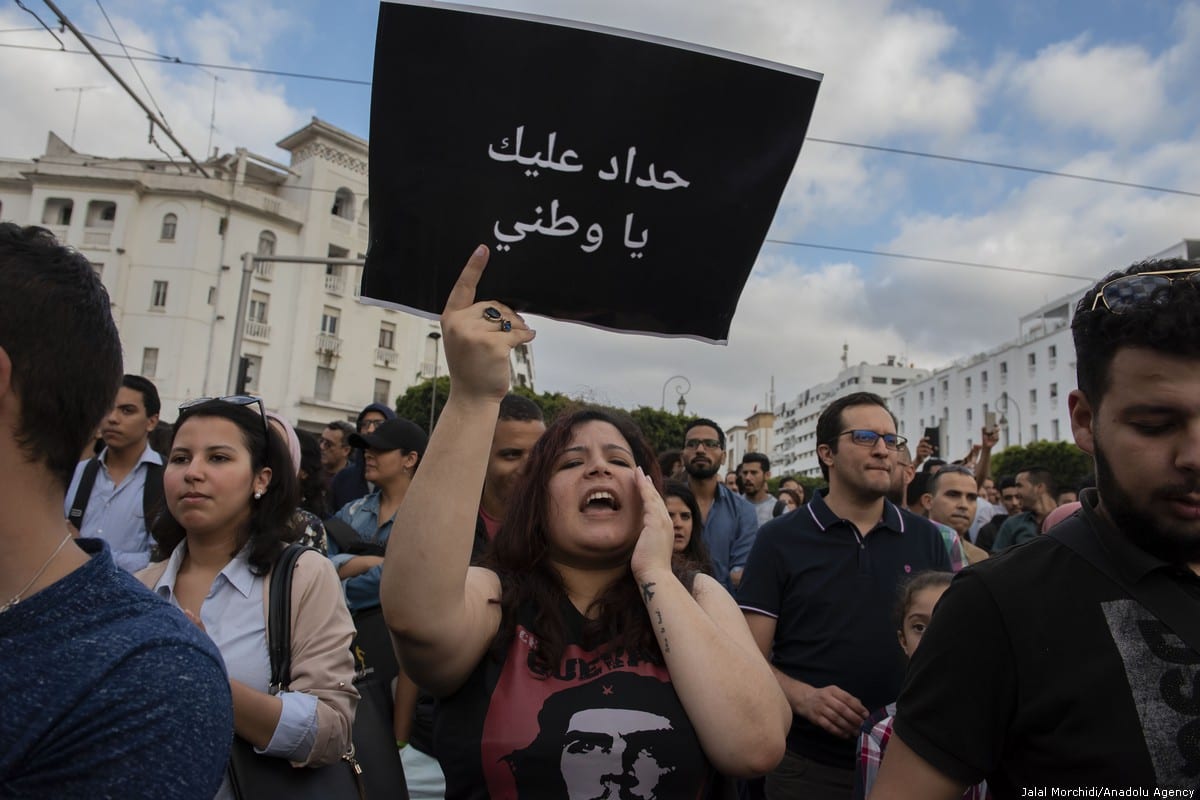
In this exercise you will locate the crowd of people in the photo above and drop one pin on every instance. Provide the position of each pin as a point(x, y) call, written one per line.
point(559, 611)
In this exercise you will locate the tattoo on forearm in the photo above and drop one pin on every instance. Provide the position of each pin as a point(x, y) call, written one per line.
point(659, 613)
point(663, 630)
point(647, 593)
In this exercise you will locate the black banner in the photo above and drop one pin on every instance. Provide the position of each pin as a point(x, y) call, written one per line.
point(620, 181)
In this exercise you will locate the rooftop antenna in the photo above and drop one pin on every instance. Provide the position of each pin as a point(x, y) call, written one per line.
point(78, 90)
point(845, 355)
point(212, 118)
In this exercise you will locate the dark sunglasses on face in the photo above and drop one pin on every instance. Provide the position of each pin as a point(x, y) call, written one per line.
point(1128, 291)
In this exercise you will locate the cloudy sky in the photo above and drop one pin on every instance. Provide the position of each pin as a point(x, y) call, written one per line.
point(1104, 88)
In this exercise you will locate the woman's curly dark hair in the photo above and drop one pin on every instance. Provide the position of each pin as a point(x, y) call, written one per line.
point(270, 517)
point(520, 555)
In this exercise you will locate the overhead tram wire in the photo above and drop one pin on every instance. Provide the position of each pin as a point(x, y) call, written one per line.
point(879, 148)
point(814, 245)
point(49, 30)
point(133, 64)
point(183, 63)
point(905, 256)
point(154, 120)
point(1001, 165)
point(163, 59)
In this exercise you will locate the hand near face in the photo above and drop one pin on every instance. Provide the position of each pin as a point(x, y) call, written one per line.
point(476, 347)
point(656, 542)
point(924, 450)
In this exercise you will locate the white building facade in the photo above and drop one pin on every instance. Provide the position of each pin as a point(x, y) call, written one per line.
point(1022, 386)
point(794, 439)
point(1022, 383)
point(168, 243)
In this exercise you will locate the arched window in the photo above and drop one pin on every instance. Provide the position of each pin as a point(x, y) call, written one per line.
point(343, 204)
point(168, 228)
point(365, 212)
point(266, 244)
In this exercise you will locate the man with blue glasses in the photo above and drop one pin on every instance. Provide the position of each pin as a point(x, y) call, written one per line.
point(818, 593)
point(1073, 660)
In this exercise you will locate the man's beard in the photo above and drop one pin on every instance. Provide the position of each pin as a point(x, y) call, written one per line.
point(702, 473)
point(1173, 544)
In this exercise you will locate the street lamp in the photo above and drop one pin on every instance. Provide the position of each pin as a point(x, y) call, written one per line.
point(682, 403)
point(1005, 399)
point(433, 394)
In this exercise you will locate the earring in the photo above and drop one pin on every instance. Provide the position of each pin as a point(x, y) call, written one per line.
point(258, 495)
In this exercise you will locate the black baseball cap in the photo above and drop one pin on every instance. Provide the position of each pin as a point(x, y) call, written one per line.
point(393, 434)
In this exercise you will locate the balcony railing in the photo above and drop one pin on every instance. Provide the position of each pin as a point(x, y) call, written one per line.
point(386, 356)
point(335, 284)
point(264, 270)
point(97, 237)
point(427, 369)
point(258, 330)
point(328, 344)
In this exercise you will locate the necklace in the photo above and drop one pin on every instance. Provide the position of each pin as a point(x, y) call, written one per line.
point(17, 597)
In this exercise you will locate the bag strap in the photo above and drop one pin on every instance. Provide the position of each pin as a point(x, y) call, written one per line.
point(83, 493)
point(342, 533)
point(152, 494)
point(279, 618)
point(1162, 597)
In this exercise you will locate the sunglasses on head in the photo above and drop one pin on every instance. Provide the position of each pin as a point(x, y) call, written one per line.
point(1129, 291)
point(233, 399)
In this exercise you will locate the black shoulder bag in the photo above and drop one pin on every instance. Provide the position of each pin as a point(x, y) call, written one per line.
point(254, 776)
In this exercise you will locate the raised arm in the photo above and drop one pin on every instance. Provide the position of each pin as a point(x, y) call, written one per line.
point(983, 467)
point(706, 643)
point(441, 611)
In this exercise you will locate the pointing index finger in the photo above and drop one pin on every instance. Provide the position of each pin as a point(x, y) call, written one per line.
point(462, 294)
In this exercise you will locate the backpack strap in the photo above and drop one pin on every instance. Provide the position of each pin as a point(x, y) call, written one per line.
point(152, 494)
point(84, 493)
point(1161, 596)
point(279, 618)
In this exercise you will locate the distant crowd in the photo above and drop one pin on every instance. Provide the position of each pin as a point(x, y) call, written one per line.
point(513, 606)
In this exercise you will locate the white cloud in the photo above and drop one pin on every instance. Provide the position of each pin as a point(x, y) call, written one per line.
point(252, 112)
point(1114, 91)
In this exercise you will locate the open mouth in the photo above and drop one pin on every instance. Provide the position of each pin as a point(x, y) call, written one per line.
point(600, 500)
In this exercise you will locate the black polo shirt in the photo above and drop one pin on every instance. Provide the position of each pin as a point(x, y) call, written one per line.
point(832, 592)
point(1040, 671)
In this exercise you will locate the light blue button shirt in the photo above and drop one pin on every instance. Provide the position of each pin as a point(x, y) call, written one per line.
point(729, 532)
point(233, 616)
point(115, 512)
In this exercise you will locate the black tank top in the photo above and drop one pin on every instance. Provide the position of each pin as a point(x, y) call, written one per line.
point(603, 725)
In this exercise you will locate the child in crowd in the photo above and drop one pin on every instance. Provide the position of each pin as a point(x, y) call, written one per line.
point(917, 600)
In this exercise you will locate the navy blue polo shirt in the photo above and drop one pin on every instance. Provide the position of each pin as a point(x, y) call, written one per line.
point(832, 592)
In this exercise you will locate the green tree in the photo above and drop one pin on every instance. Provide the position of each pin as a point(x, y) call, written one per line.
point(1065, 460)
point(414, 403)
point(662, 429)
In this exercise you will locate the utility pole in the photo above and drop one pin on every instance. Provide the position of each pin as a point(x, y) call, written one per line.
point(239, 323)
point(78, 90)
